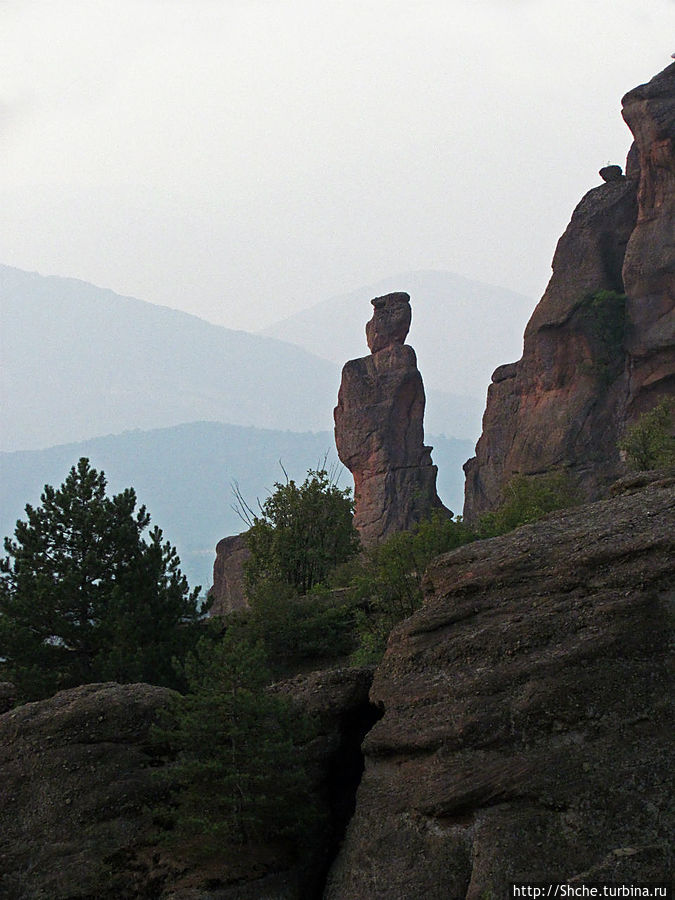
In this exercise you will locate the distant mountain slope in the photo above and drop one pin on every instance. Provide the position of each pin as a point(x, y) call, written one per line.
point(461, 330)
point(184, 476)
point(79, 361)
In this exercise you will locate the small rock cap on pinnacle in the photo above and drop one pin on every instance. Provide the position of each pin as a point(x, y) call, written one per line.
point(391, 321)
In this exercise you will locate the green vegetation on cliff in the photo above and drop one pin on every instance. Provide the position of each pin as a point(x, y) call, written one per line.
point(527, 498)
point(649, 443)
point(236, 775)
point(303, 532)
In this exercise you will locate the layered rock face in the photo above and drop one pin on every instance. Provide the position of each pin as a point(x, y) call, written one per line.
point(649, 265)
point(593, 361)
point(527, 728)
point(379, 429)
point(76, 782)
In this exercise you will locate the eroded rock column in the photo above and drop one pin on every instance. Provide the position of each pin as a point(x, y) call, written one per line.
point(379, 429)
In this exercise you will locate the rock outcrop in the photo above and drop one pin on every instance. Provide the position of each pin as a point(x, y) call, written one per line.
point(649, 265)
point(78, 782)
point(76, 779)
point(527, 728)
point(379, 429)
point(593, 360)
point(228, 593)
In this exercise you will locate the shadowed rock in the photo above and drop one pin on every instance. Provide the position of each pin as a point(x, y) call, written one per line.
point(78, 775)
point(527, 724)
point(379, 429)
point(229, 585)
point(611, 173)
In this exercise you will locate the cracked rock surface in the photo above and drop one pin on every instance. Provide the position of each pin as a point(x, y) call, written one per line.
point(527, 728)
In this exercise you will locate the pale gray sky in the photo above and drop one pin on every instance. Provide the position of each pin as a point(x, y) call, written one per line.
point(243, 160)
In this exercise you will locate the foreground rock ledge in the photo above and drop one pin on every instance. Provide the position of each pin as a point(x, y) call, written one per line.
point(76, 779)
point(528, 721)
point(76, 776)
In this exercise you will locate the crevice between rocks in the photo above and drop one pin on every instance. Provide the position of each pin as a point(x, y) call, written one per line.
point(343, 778)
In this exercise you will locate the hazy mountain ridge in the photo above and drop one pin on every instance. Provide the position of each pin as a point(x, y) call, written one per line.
point(80, 360)
point(184, 475)
point(461, 329)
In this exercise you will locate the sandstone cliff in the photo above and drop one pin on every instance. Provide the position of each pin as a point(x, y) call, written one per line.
point(379, 428)
point(527, 729)
point(593, 361)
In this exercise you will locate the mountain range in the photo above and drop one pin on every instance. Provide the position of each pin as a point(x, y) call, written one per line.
point(80, 361)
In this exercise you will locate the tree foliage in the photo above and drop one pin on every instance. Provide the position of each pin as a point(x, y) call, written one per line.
point(387, 585)
point(84, 597)
point(303, 532)
point(526, 499)
point(649, 443)
point(236, 773)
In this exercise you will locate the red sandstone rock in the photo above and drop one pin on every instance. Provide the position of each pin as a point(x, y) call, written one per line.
point(649, 267)
point(588, 368)
point(228, 592)
point(390, 323)
point(379, 428)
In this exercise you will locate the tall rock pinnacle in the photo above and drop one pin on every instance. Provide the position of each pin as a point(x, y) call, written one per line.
point(379, 429)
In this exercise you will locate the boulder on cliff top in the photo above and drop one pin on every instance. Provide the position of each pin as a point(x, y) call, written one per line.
point(390, 323)
point(528, 709)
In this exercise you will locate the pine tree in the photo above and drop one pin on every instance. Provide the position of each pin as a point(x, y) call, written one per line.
point(84, 597)
point(237, 774)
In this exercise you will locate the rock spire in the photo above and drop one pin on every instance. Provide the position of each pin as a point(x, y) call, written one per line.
point(379, 428)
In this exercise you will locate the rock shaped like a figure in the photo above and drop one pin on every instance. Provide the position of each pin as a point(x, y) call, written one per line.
point(379, 429)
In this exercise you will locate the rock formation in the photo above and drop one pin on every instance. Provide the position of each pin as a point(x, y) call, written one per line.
point(593, 360)
point(379, 428)
point(527, 728)
point(78, 782)
point(228, 592)
point(649, 265)
point(76, 777)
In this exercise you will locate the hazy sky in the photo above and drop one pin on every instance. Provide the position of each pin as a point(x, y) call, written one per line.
point(243, 159)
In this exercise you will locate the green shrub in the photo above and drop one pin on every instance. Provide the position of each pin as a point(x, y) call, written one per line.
point(526, 499)
point(387, 586)
point(303, 532)
point(649, 443)
point(235, 770)
point(294, 630)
